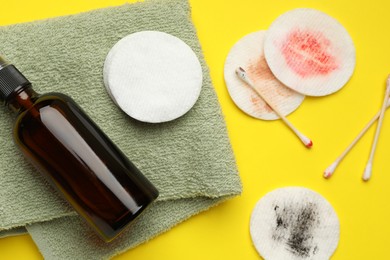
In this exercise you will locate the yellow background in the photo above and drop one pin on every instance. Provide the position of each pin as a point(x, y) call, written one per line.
point(269, 156)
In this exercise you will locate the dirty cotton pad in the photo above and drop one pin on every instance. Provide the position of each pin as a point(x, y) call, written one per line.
point(153, 76)
point(248, 54)
point(294, 223)
point(310, 52)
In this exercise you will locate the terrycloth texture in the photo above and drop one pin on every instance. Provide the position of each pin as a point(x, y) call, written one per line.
point(189, 159)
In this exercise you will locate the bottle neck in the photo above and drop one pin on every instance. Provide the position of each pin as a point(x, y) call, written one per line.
point(22, 99)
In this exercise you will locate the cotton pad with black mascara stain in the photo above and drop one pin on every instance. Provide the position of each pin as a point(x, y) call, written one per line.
point(310, 52)
point(294, 223)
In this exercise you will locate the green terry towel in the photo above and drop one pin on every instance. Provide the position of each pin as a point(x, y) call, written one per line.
point(189, 159)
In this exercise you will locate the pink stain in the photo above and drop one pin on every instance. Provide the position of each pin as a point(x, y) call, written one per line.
point(308, 54)
point(259, 104)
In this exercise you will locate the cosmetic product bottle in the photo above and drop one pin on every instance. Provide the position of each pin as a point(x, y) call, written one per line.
point(81, 162)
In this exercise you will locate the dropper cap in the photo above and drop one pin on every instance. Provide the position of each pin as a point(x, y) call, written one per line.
point(10, 79)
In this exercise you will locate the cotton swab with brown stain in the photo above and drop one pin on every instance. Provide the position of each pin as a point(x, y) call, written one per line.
point(331, 168)
point(241, 73)
point(368, 169)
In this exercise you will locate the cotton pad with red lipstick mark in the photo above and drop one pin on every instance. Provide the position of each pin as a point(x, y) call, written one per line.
point(310, 52)
point(248, 54)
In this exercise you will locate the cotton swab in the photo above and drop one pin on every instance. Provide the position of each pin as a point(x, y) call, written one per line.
point(368, 169)
point(241, 73)
point(330, 170)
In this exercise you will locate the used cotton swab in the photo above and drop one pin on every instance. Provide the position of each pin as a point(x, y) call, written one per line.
point(241, 73)
point(330, 170)
point(368, 169)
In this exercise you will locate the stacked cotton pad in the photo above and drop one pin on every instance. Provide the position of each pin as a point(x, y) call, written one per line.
point(304, 52)
point(248, 53)
point(153, 76)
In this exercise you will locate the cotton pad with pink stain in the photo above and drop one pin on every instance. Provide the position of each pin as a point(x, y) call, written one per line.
point(248, 54)
point(310, 52)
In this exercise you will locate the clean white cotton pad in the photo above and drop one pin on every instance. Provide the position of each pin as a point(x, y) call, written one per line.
point(294, 223)
point(248, 54)
point(310, 52)
point(153, 76)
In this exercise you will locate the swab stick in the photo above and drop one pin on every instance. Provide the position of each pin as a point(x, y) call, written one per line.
point(368, 169)
point(241, 73)
point(330, 170)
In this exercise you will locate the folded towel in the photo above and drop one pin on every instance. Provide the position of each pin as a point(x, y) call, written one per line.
point(189, 159)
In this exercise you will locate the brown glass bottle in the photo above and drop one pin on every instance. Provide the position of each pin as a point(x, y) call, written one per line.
point(75, 155)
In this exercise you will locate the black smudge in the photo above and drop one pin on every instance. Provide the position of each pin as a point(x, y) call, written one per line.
point(294, 226)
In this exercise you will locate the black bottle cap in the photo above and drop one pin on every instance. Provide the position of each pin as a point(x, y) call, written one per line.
point(10, 79)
